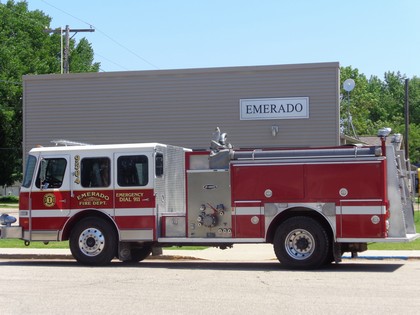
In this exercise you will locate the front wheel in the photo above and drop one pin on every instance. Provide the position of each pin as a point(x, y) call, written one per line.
point(93, 241)
point(301, 243)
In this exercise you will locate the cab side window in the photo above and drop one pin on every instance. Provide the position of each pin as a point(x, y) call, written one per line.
point(51, 173)
point(95, 172)
point(159, 165)
point(133, 170)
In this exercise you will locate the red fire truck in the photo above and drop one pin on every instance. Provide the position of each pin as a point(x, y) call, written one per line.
point(312, 204)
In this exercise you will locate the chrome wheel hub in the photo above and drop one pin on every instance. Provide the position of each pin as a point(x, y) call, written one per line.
point(91, 242)
point(299, 244)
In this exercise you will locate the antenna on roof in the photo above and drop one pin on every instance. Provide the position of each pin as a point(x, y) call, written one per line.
point(348, 86)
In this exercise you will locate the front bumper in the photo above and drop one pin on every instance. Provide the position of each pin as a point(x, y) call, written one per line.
point(10, 232)
point(7, 230)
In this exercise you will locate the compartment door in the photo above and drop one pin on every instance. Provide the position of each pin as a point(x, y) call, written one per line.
point(248, 218)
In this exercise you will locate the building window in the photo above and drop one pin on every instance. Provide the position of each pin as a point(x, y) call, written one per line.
point(133, 170)
point(95, 172)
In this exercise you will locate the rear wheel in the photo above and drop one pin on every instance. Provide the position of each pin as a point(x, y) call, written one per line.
point(93, 241)
point(301, 243)
point(139, 253)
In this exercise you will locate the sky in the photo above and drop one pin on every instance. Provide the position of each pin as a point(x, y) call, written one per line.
point(374, 36)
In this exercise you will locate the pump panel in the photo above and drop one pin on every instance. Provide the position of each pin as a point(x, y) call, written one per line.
point(209, 204)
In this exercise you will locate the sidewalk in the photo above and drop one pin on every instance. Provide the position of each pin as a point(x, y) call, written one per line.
point(239, 252)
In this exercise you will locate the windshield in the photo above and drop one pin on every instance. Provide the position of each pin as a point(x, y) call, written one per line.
point(29, 171)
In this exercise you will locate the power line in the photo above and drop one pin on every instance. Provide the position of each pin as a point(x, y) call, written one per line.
point(128, 49)
point(75, 17)
point(56, 31)
point(104, 34)
point(109, 60)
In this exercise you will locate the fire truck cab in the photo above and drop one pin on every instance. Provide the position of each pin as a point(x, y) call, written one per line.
point(312, 204)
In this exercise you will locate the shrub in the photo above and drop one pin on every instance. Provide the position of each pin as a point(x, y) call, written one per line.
point(9, 199)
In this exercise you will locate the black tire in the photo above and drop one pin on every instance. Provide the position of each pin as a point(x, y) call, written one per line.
point(93, 242)
point(140, 253)
point(301, 243)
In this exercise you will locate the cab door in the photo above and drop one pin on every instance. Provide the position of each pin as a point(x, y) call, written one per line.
point(135, 208)
point(50, 197)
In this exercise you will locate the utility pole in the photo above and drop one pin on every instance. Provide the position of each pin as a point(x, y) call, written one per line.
point(406, 119)
point(67, 38)
point(67, 44)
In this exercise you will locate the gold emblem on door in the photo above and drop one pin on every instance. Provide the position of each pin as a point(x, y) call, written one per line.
point(49, 200)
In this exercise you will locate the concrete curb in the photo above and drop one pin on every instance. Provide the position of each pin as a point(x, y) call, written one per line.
point(35, 256)
point(179, 258)
point(348, 257)
point(241, 254)
point(70, 257)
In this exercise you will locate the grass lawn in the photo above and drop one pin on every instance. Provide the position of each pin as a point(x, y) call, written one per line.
point(9, 205)
point(13, 243)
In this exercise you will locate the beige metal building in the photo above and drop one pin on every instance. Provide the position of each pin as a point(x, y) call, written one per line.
point(261, 106)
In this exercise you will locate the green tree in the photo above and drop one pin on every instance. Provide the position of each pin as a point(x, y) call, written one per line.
point(414, 100)
point(9, 164)
point(81, 59)
point(27, 49)
point(392, 98)
point(414, 118)
point(376, 103)
point(361, 100)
